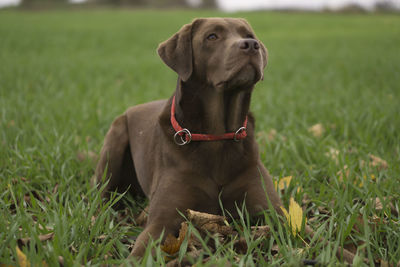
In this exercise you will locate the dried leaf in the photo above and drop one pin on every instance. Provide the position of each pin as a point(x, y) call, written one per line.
point(283, 183)
point(343, 173)
point(272, 134)
point(377, 162)
point(333, 154)
point(240, 246)
point(275, 250)
point(209, 222)
point(379, 205)
point(262, 231)
point(317, 130)
point(42, 238)
point(306, 199)
point(61, 261)
point(294, 216)
point(55, 189)
point(384, 263)
point(141, 219)
point(18, 180)
point(87, 155)
point(187, 259)
point(172, 244)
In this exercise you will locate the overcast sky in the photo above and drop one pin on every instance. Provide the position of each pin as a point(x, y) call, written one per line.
point(234, 5)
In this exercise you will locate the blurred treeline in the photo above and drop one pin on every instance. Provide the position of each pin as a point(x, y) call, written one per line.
point(121, 3)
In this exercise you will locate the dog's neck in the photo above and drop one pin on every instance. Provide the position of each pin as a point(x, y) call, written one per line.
point(203, 109)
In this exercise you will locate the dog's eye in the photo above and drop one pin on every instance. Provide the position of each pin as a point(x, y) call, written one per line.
point(212, 37)
point(250, 36)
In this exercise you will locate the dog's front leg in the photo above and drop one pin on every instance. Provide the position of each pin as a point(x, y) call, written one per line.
point(174, 193)
point(151, 231)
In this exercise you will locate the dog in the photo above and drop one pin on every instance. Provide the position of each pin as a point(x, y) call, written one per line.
point(197, 148)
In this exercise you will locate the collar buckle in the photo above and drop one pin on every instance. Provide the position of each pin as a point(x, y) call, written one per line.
point(185, 135)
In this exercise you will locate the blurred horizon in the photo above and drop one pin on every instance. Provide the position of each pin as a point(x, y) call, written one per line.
point(249, 5)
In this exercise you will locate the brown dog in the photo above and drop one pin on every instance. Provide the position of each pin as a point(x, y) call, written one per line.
point(218, 62)
point(197, 147)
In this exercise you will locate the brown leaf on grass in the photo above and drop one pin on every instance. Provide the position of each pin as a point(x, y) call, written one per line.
point(186, 261)
point(73, 249)
point(275, 250)
point(101, 237)
point(379, 206)
point(141, 219)
point(306, 200)
point(333, 154)
point(377, 162)
point(323, 210)
point(240, 246)
point(26, 200)
point(11, 123)
point(92, 221)
point(25, 241)
point(262, 231)
point(60, 261)
point(344, 173)
point(87, 155)
point(272, 134)
point(172, 244)
point(209, 222)
point(55, 189)
point(317, 130)
point(383, 263)
point(19, 180)
point(351, 247)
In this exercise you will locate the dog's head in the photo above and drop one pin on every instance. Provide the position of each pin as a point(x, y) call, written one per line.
point(223, 52)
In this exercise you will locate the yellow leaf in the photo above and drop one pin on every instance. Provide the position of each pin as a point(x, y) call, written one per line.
point(23, 261)
point(361, 183)
point(294, 216)
point(285, 213)
point(21, 258)
point(283, 183)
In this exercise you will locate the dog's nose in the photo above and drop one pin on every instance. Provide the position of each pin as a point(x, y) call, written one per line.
point(249, 45)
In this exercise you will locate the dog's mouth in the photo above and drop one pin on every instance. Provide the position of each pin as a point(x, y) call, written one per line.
point(243, 76)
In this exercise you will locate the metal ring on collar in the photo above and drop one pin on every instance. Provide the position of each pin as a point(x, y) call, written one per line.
point(183, 140)
point(241, 129)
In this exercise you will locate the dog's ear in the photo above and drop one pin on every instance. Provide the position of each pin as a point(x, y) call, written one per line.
point(176, 52)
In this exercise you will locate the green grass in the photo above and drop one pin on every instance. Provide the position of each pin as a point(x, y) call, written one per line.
point(64, 76)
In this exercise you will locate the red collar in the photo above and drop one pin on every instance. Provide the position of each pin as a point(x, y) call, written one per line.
point(186, 136)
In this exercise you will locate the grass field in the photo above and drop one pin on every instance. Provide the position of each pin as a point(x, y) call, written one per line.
point(64, 76)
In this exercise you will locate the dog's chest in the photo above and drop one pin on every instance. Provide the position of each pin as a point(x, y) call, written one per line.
point(222, 162)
